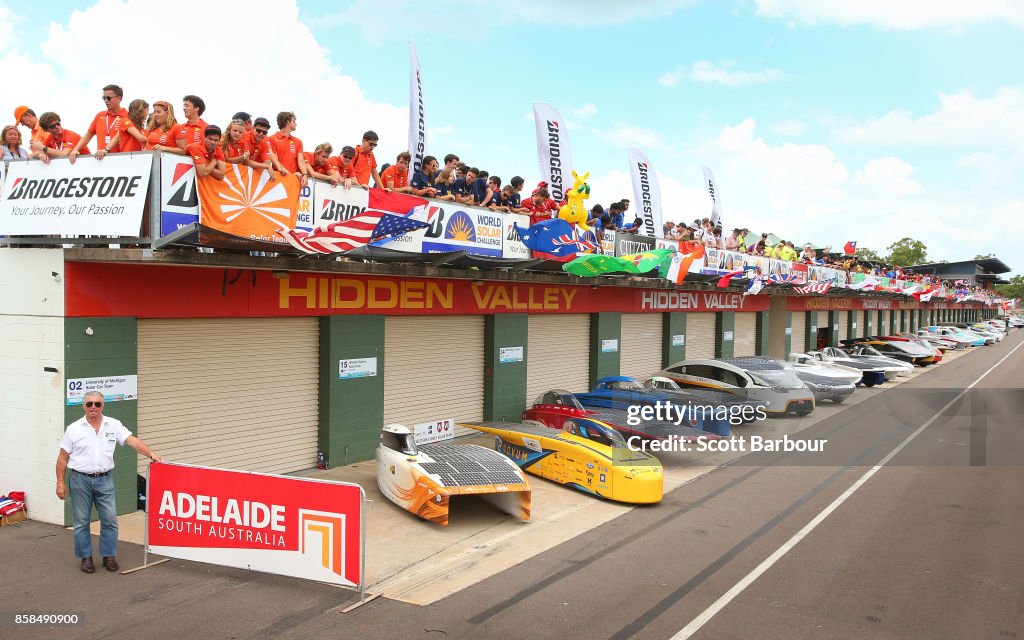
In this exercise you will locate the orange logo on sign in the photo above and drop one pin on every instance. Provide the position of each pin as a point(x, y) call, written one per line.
point(321, 533)
point(247, 203)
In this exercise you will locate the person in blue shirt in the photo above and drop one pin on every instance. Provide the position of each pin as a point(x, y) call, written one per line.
point(594, 219)
point(517, 188)
point(482, 193)
point(617, 214)
point(422, 182)
point(461, 188)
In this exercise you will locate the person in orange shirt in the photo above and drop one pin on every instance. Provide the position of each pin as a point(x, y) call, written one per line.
point(232, 144)
point(343, 164)
point(320, 164)
point(364, 162)
point(207, 155)
point(162, 129)
point(27, 117)
point(287, 148)
point(58, 142)
point(396, 177)
point(194, 128)
point(133, 138)
point(106, 125)
point(258, 146)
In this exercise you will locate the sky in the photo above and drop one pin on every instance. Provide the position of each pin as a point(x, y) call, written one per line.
point(822, 122)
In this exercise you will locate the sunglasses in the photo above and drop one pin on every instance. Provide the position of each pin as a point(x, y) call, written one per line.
point(348, 157)
point(107, 98)
point(263, 132)
point(54, 125)
point(372, 144)
point(98, 405)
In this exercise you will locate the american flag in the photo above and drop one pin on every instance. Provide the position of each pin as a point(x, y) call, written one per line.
point(815, 287)
point(386, 216)
point(783, 278)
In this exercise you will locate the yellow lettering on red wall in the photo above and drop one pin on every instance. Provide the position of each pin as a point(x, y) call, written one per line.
point(412, 295)
point(348, 294)
point(569, 294)
point(286, 292)
point(442, 296)
point(382, 294)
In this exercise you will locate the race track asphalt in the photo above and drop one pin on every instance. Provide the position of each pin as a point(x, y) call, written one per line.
point(928, 546)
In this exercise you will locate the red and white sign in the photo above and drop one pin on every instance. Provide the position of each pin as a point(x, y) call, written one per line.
point(276, 524)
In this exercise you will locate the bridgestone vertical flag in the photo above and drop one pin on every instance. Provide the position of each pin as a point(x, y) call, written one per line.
point(647, 192)
point(716, 201)
point(553, 149)
point(417, 114)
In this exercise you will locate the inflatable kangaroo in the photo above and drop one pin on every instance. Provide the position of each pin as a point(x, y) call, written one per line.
point(575, 211)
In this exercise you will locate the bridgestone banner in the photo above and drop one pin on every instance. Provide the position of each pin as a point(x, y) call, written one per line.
point(716, 199)
point(91, 197)
point(417, 112)
point(310, 529)
point(647, 191)
point(553, 153)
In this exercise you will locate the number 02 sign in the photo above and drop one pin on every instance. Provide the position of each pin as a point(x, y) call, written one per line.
point(113, 388)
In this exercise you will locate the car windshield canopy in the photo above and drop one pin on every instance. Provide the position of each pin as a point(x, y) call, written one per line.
point(559, 398)
point(625, 385)
point(662, 383)
point(786, 378)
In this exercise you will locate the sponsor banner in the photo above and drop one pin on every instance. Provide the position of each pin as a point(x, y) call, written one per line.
point(553, 154)
point(664, 243)
point(246, 203)
point(629, 243)
point(304, 219)
point(716, 202)
point(91, 197)
point(453, 228)
point(714, 262)
point(113, 388)
point(155, 291)
point(513, 246)
point(824, 303)
point(417, 113)
point(336, 204)
point(437, 431)
point(289, 526)
point(835, 276)
point(647, 191)
point(803, 273)
point(179, 196)
point(608, 243)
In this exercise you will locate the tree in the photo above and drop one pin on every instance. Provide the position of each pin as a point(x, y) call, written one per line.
point(863, 253)
point(1013, 290)
point(986, 256)
point(906, 252)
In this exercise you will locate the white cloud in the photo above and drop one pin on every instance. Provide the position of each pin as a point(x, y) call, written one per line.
point(890, 176)
point(961, 119)
point(585, 111)
point(905, 14)
point(789, 128)
point(722, 73)
point(8, 33)
point(625, 135)
point(66, 72)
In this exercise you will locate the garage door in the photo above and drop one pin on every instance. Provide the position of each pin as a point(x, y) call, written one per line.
point(745, 335)
point(433, 369)
point(640, 345)
point(882, 323)
point(798, 341)
point(558, 354)
point(843, 320)
point(231, 393)
point(700, 335)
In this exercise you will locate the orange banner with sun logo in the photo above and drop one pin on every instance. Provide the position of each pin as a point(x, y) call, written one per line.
point(247, 203)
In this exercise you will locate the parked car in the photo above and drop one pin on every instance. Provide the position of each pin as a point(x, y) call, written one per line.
point(892, 368)
point(770, 380)
point(871, 374)
point(746, 409)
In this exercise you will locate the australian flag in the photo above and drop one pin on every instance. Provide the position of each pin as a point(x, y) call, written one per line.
point(556, 237)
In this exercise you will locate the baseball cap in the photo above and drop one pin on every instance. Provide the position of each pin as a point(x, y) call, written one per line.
point(18, 113)
point(348, 151)
point(243, 116)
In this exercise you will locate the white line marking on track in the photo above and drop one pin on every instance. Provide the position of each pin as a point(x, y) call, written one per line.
point(760, 569)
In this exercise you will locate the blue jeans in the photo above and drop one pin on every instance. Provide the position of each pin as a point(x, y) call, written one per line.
point(85, 492)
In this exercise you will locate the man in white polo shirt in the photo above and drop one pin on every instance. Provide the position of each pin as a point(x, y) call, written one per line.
point(87, 449)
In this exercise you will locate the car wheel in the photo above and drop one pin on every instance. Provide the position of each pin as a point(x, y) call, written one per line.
point(838, 400)
point(870, 384)
point(803, 412)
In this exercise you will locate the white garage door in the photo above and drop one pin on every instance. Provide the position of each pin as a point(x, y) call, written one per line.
point(798, 342)
point(231, 393)
point(700, 335)
point(745, 334)
point(843, 320)
point(640, 348)
point(558, 354)
point(433, 369)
